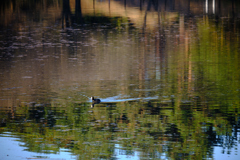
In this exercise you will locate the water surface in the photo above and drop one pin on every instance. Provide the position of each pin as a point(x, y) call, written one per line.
point(167, 75)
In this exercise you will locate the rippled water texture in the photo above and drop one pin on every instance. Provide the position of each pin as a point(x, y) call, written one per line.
point(166, 72)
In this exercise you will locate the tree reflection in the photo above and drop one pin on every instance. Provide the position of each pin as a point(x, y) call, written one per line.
point(78, 12)
point(66, 14)
point(74, 127)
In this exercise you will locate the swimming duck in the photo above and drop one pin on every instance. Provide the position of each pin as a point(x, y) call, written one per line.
point(95, 101)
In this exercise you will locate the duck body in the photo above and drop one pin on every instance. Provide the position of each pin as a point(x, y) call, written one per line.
point(95, 101)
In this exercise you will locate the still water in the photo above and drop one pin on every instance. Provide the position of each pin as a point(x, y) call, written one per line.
point(167, 74)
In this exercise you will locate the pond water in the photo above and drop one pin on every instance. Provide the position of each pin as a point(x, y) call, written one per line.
point(167, 74)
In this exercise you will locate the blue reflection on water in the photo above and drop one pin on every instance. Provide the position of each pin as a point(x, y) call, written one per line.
point(133, 155)
point(121, 154)
point(232, 153)
point(11, 148)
